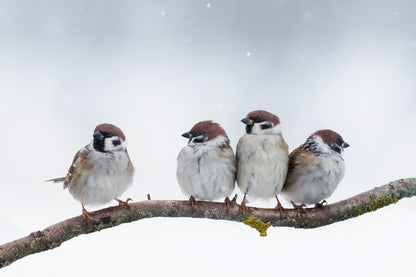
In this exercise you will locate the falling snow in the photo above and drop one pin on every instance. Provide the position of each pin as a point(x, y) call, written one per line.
point(361, 52)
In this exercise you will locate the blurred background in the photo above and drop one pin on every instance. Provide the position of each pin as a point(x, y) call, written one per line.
point(155, 68)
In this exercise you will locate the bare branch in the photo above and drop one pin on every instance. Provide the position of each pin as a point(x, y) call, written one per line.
point(55, 235)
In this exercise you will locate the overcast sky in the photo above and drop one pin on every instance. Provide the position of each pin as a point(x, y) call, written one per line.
point(155, 68)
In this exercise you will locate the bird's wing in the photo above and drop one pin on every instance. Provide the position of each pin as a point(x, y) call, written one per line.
point(301, 155)
point(79, 158)
point(130, 167)
point(227, 151)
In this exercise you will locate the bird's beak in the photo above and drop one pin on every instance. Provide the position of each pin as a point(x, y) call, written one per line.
point(247, 121)
point(187, 135)
point(97, 135)
point(345, 145)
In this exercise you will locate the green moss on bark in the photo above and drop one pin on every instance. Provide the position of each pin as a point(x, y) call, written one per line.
point(257, 224)
point(381, 202)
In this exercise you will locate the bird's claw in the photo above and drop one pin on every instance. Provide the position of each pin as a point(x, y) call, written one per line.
point(243, 205)
point(123, 203)
point(86, 214)
point(320, 204)
point(279, 206)
point(227, 202)
point(192, 201)
point(299, 208)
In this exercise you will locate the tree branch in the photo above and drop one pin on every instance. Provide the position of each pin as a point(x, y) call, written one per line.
point(55, 235)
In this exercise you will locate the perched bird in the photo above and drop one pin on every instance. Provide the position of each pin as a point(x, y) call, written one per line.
point(206, 166)
point(315, 169)
point(101, 171)
point(262, 157)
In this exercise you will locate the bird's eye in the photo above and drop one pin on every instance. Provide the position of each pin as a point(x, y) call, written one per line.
point(107, 134)
point(198, 139)
point(336, 147)
point(259, 120)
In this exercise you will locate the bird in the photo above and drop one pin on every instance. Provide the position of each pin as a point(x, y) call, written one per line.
point(206, 165)
point(262, 157)
point(101, 171)
point(315, 169)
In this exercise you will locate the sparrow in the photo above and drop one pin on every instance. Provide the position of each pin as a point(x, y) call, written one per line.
point(315, 169)
point(262, 157)
point(206, 165)
point(101, 171)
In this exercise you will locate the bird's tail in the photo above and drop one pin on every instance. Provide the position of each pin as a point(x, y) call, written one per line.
point(56, 180)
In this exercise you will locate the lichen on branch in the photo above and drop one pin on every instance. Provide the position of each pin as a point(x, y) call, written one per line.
point(257, 224)
point(53, 236)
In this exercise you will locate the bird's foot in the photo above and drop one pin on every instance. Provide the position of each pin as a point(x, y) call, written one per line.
point(192, 201)
point(279, 206)
point(243, 205)
point(227, 202)
point(86, 214)
point(299, 208)
point(320, 204)
point(123, 203)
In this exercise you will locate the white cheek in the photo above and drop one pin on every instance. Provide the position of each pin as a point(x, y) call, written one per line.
point(321, 146)
point(256, 128)
point(274, 130)
point(108, 144)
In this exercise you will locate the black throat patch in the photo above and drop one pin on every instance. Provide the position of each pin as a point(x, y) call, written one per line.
point(99, 145)
point(249, 128)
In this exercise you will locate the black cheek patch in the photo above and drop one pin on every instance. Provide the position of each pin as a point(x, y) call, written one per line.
point(116, 142)
point(266, 126)
point(198, 140)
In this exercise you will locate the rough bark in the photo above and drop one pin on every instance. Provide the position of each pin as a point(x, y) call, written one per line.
point(54, 235)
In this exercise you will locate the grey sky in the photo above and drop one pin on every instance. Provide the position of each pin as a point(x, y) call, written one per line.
point(155, 68)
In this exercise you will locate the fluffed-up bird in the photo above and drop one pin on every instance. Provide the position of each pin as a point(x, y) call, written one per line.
point(315, 169)
point(101, 171)
point(206, 165)
point(262, 157)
